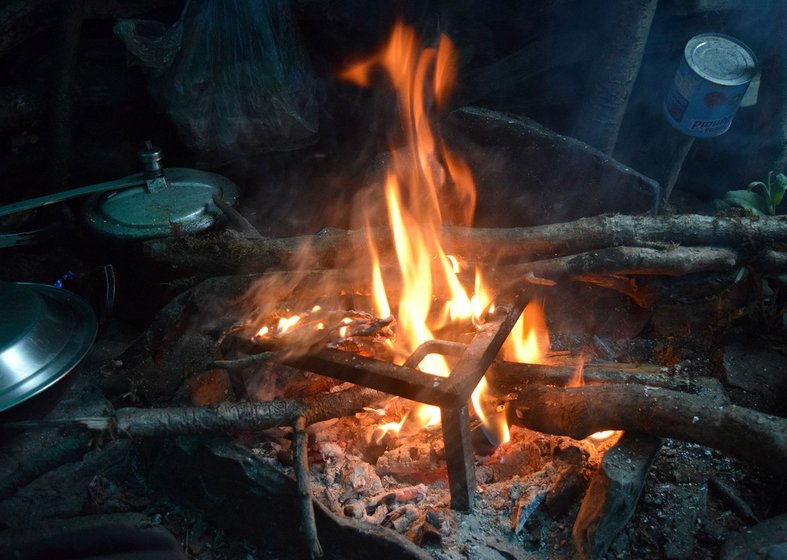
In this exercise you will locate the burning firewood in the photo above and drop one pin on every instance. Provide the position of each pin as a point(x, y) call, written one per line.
point(581, 411)
point(349, 330)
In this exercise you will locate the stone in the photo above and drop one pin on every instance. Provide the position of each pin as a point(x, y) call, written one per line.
point(777, 552)
point(758, 541)
point(531, 175)
point(757, 370)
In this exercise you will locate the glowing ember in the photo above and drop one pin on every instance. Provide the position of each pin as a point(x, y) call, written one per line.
point(600, 436)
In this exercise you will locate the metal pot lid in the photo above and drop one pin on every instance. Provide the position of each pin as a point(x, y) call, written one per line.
point(185, 205)
point(44, 333)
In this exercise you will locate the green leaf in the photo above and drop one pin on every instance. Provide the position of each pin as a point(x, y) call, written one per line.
point(760, 188)
point(748, 200)
point(778, 188)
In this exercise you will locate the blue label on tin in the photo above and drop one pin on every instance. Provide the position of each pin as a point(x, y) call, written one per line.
point(699, 107)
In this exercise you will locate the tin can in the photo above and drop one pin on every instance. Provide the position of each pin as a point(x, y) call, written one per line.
point(710, 82)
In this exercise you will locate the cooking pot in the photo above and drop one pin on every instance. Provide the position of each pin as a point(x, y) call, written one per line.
point(44, 334)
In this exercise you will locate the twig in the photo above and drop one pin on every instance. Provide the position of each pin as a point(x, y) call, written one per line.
point(732, 499)
point(504, 377)
point(225, 418)
point(306, 506)
point(242, 363)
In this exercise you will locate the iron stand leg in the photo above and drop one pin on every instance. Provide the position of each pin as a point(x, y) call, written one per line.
point(459, 457)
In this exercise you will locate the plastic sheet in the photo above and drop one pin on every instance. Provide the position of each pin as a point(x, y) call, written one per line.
point(231, 74)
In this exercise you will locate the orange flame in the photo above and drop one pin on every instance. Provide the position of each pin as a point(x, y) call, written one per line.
point(424, 186)
point(578, 380)
point(529, 339)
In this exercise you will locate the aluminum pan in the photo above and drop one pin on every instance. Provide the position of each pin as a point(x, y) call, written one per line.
point(44, 333)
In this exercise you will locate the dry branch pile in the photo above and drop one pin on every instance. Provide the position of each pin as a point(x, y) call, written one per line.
point(586, 249)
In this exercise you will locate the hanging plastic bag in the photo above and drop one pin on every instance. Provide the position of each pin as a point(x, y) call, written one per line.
point(231, 74)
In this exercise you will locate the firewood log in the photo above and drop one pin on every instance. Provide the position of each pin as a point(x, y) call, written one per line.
point(578, 412)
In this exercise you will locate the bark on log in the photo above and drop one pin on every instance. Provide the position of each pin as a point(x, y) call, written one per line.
point(613, 494)
point(225, 418)
point(614, 71)
point(231, 253)
point(626, 260)
point(578, 412)
point(504, 377)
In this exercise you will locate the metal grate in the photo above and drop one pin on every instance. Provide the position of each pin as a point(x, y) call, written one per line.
point(451, 394)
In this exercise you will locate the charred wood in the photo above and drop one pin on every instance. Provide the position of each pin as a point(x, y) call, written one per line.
point(194, 468)
point(613, 494)
point(731, 498)
point(340, 403)
point(578, 412)
point(236, 219)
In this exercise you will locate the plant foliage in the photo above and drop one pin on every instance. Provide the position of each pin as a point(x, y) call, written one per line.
point(760, 198)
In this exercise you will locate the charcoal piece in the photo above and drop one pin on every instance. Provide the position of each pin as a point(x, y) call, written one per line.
point(563, 493)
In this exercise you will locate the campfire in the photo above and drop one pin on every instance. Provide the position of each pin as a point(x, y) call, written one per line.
point(421, 387)
point(424, 187)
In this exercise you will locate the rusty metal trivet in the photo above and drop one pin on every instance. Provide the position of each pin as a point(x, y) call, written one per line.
point(450, 393)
